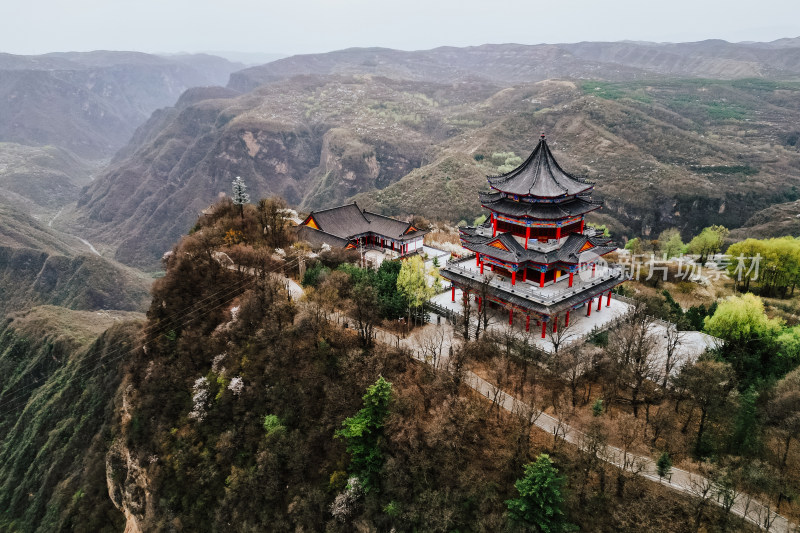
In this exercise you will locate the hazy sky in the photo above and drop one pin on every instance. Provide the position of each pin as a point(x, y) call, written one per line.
point(302, 26)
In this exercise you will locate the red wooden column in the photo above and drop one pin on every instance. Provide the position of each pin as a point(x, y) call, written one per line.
point(514, 277)
point(527, 236)
point(558, 232)
point(477, 259)
point(494, 225)
point(528, 323)
point(555, 324)
point(589, 308)
point(524, 272)
point(608, 302)
point(593, 268)
point(566, 319)
point(454, 292)
point(481, 267)
point(581, 225)
point(541, 280)
point(599, 301)
point(571, 275)
point(544, 329)
point(511, 316)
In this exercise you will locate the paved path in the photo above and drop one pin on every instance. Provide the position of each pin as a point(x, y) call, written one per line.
point(680, 480)
point(434, 351)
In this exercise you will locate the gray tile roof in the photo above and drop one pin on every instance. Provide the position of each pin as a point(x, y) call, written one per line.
point(317, 238)
point(572, 206)
point(349, 221)
point(390, 227)
point(567, 253)
point(344, 221)
point(540, 176)
point(519, 299)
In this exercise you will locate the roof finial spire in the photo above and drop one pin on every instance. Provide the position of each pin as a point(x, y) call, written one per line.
point(543, 135)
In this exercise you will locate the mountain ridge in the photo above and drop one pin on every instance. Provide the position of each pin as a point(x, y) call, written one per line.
point(511, 63)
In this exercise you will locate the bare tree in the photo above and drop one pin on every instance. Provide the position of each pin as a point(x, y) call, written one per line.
point(482, 295)
point(466, 312)
point(365, 310)
point(527, 413)
point(633, 348)
point(673, 339)
point(564, 334)
point(570, 365)
point(726, 491)
point(273, 216)
point(594, 445)
point(432, 341)
point(563, 413)
point(702, 489)
point(784, 410)
point(628, 432)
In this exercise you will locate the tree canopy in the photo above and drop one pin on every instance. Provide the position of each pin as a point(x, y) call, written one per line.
point(751, 338)
point(412, 282)
point(541, 499)
point(709, 242)
point(773, 264)
point(364, 431)
point(671, 243)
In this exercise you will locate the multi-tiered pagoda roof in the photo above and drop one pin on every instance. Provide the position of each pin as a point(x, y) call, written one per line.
point(540, 176)
point(535, 242)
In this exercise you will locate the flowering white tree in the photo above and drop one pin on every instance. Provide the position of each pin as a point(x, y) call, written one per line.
point(346, 502)
point(199, 398)
point(236, 385)
point(240, 195)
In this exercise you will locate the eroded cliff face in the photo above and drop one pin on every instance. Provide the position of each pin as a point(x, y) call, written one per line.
point(59, 372)
point(127, 486)
point(350, 164)
point(315, 142)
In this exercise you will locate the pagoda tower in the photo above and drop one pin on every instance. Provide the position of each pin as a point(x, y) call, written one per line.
point(534, 255)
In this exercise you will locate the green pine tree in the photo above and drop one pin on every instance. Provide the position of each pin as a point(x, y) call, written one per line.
point(541, 500)
point(664, 465)
point(364, 433)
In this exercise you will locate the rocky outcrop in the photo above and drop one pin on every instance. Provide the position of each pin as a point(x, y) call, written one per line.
point(127, 486)
point(315, 142)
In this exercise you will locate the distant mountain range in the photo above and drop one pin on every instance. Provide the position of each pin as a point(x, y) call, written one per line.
point(514, 63)
point(90, 103)
point(401, 132)
point(62, 117)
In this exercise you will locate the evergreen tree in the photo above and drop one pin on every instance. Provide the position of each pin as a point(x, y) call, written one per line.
point(746, 439)
point(240, 195)
point(664, 465)
point(597, 407)
point(540, 504)
point(364, 433)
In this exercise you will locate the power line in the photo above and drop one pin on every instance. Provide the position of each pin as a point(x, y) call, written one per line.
point(170, 322)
